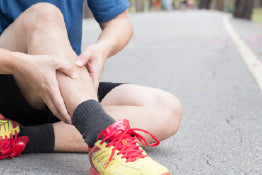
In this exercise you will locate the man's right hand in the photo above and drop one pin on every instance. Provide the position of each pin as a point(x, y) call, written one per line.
point(39, 71)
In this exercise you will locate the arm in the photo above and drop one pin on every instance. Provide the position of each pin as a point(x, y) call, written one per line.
point(39, 71)
point(115, 35)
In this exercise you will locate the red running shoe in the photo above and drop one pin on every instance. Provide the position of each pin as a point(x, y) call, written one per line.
point(10, 144)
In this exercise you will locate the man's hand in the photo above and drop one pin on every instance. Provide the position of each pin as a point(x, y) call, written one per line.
point(39, 71)
point(115, 35)
point(93, 58)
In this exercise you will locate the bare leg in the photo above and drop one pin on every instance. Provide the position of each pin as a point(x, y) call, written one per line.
point(146, 108)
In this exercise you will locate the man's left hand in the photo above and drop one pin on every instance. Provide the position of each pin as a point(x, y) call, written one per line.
point(93, 58)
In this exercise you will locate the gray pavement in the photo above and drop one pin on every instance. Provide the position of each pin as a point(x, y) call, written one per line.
point(191, 55)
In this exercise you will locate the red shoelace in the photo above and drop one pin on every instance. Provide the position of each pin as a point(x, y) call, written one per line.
point(126, 142)
point(7, 146)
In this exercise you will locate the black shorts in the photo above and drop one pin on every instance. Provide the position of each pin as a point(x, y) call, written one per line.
point(14, 106)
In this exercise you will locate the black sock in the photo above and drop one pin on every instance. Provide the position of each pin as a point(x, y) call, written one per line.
point(90, 119)
point(41, 138)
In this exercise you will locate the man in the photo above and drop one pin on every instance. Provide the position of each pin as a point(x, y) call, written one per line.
point(39, 44)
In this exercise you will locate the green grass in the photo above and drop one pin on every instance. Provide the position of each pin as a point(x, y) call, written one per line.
point(257, 15)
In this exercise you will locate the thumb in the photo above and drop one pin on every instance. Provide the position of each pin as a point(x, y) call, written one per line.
point(66, 68)
point(82, 59)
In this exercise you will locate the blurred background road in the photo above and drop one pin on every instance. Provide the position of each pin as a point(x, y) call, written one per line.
point(191, 54)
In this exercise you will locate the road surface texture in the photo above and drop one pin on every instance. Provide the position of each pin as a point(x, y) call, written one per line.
point(192, 55)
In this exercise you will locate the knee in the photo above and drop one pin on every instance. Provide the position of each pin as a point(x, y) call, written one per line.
point(44, 15)
point(172, 111)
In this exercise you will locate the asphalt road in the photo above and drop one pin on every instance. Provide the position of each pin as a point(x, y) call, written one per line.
point(191, 55)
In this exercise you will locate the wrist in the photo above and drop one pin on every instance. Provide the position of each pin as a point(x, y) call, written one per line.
point(107, 48)
point(16, 62)
point(7, 62)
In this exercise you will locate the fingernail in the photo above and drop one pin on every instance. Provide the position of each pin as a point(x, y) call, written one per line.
point(74, 75)
point(79, 63)
point(70, 122)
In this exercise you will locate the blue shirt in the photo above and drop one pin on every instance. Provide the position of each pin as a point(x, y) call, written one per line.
point(103, 11)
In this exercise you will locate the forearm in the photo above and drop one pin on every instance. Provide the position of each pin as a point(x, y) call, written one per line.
point(6, 62)
point(115, 35)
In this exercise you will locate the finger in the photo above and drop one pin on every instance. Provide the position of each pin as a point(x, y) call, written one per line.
point(92, 72)
point(65, 67)
point(83, 58)
point(59, 103)
point(95, 73)
point(97, 78)
point(61, 108)
point(56, 113)
point(94, 77)
point(52, 108)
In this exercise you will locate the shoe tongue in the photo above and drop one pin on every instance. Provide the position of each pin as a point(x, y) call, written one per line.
point(118, 125)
